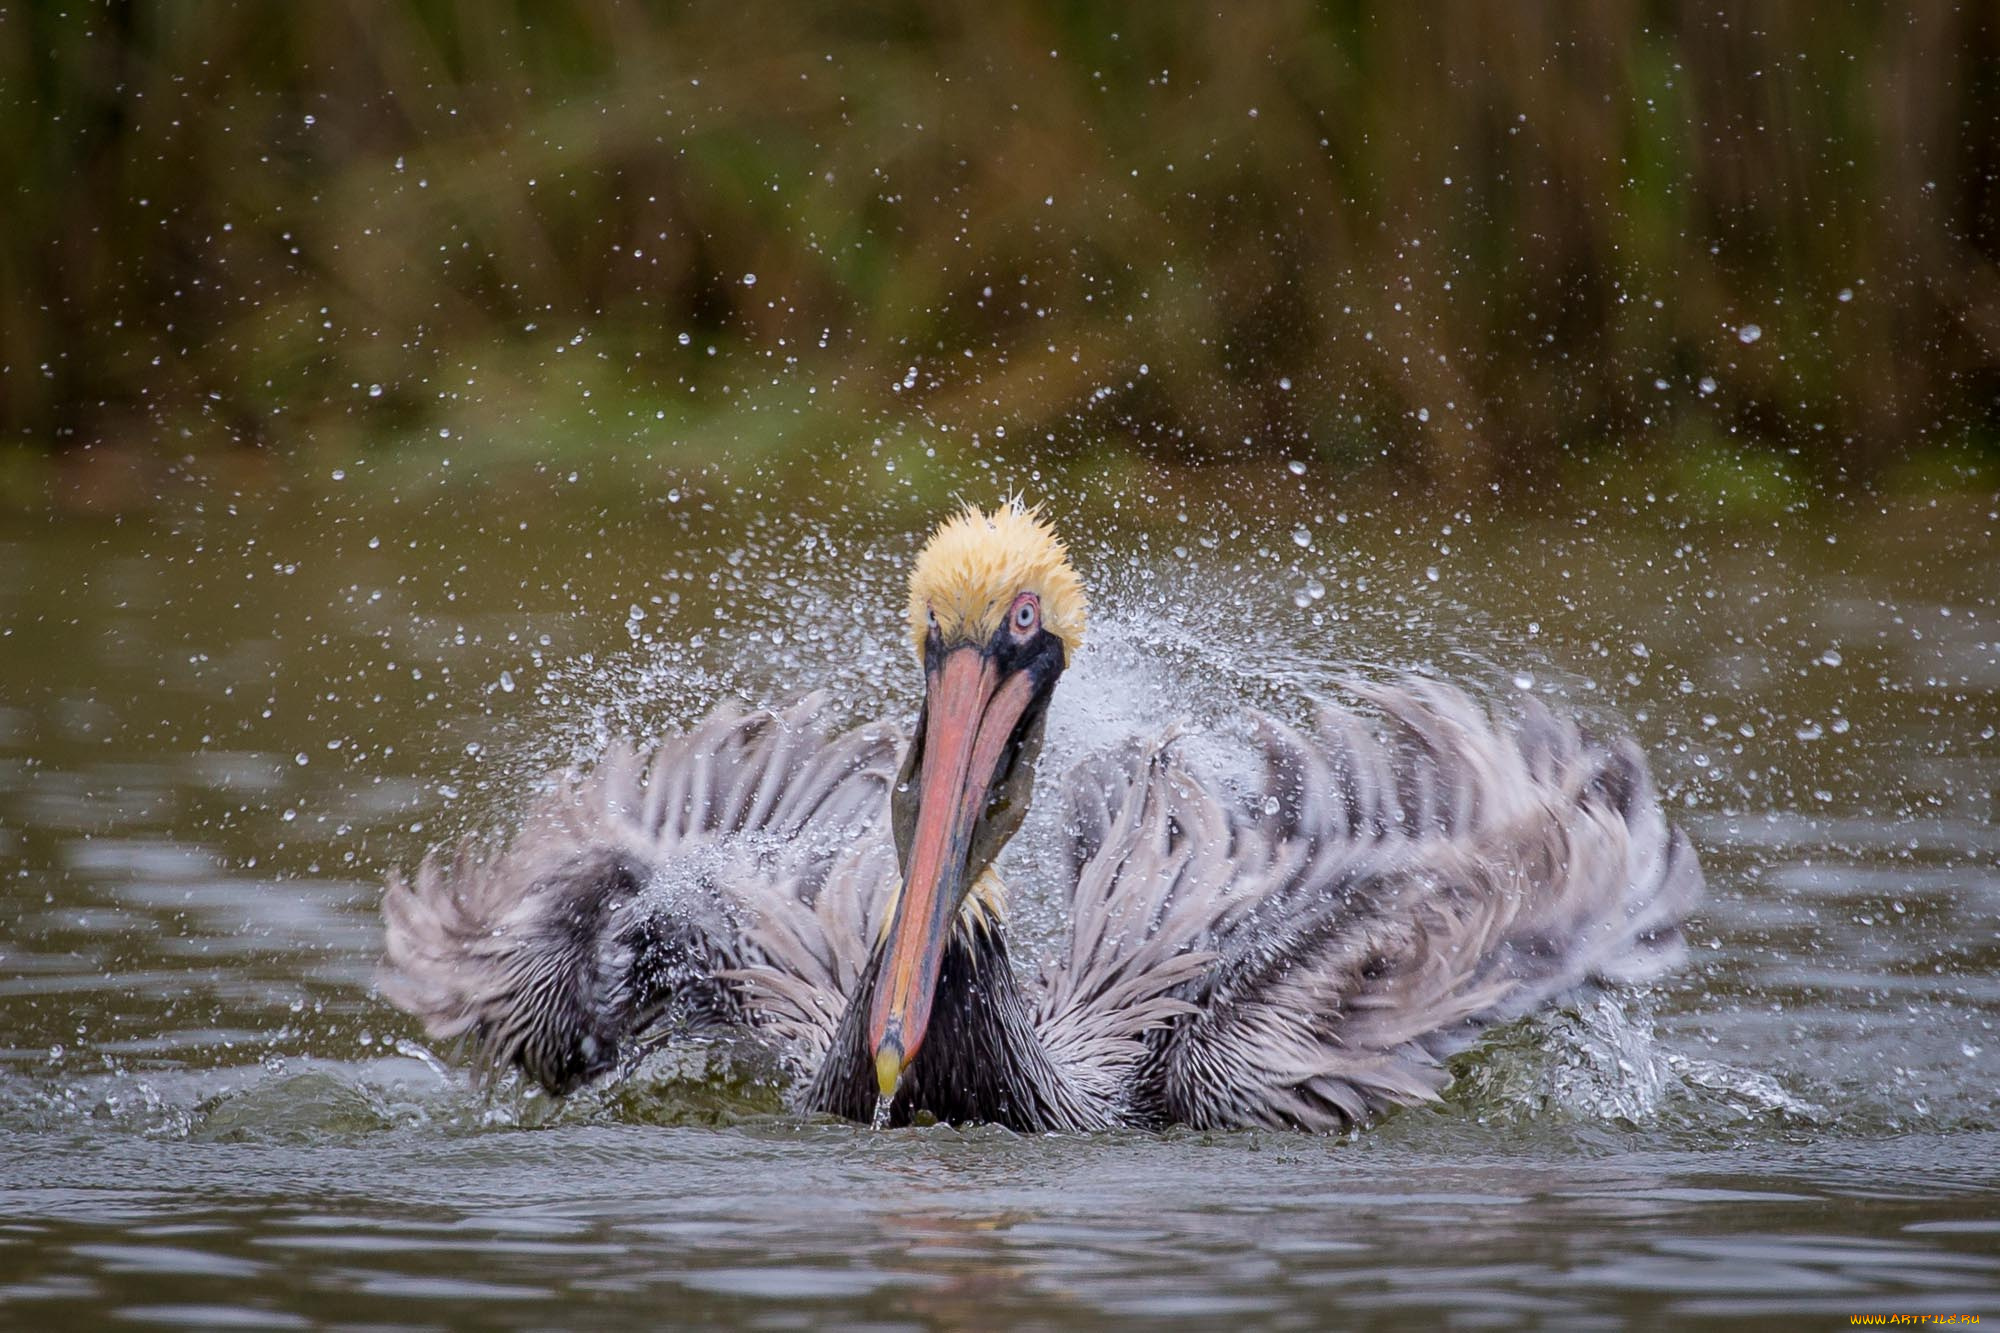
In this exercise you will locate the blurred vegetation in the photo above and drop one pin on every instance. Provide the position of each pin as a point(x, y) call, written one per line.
point(1477, 242)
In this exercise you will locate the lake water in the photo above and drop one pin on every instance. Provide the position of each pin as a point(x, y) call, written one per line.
point(224, 718)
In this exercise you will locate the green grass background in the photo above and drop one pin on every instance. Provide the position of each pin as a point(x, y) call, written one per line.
point(1479, 245)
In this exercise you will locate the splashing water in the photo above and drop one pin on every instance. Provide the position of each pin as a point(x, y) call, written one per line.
point(882, 1105)
point(199, 1083)
point(1598, 1060)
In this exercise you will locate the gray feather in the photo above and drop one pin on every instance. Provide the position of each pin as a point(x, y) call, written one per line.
point(1410, 873)
point(1407, 873)
point(636, 893)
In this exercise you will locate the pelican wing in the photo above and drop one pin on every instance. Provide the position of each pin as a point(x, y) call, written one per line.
point(722, 879)
point(1157, 875)
point(1410, 873)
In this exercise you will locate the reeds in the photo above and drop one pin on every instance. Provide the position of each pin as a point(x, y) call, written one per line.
point(1475, 239)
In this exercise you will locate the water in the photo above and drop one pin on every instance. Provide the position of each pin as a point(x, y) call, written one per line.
point(222, 721)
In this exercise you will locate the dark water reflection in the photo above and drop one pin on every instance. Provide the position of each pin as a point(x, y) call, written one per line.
point(781, 1224)
point(221, 723)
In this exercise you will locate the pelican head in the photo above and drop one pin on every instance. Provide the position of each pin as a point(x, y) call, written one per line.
point(995, 612)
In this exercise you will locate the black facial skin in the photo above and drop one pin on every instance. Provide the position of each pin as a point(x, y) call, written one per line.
point(1041, 656)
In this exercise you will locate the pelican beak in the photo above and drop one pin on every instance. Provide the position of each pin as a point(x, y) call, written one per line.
point(969, 739)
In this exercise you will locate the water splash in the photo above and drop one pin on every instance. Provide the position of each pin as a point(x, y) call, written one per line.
point(1599, 1060)
point(882, 1105)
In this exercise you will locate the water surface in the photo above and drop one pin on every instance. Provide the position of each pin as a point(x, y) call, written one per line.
point(222, 721)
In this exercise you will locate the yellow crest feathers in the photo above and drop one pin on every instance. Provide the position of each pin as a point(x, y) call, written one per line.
point(977, 561)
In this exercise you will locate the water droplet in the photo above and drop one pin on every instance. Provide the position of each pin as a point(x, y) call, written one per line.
point(507, 682)
point(1297, 468)
point(374, 391)
point(1831, 657)
point(1301, 538)
point(685, 339)
point(1706, 384)
point(1749, 333)
point(749, 279)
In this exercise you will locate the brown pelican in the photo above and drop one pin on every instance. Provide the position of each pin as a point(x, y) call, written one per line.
point(1405, 872)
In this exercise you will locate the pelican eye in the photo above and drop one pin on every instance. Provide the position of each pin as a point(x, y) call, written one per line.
point(1027, 613)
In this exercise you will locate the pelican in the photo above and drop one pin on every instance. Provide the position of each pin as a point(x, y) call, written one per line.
point(1404, 872)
